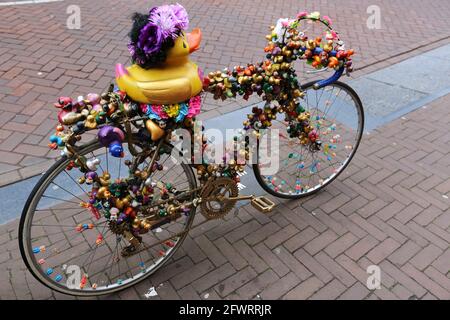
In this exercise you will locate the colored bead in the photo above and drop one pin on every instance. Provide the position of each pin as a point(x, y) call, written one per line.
point(169, 243)
point(99, 240)
point(83, 281)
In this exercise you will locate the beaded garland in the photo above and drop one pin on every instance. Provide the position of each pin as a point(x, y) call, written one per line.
point(275, 78)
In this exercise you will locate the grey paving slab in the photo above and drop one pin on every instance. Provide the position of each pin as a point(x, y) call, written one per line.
point(381, 99)
point(390, 93)
point(13, 197)
point(441, 53)
point(422, 73)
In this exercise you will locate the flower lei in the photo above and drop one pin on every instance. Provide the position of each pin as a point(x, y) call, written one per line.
point(156, 32)
point(177, 111)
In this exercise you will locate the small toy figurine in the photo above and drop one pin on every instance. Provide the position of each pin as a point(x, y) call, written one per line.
point(93, 164)
point(159, 40)
point(112, 138)
point(90, 177)
point(68, 114)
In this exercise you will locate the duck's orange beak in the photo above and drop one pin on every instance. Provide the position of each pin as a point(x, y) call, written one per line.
point(194, 38)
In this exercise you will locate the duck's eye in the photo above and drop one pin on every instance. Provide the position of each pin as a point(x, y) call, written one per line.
point(184, 45)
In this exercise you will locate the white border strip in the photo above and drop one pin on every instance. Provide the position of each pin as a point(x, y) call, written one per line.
point(17, 3)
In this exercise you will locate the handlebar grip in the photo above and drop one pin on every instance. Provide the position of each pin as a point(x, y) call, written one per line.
point(330, 80)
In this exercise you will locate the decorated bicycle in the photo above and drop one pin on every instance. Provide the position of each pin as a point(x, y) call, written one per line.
point(112, 211)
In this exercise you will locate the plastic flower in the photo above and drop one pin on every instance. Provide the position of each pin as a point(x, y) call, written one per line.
point(156, 112)
point(181, 16)
point(132, 49)
point(280, 28)
point(150, 38)
point(195, 104)
point(327, 19)
point(302, 14)
point(144, 107)
point(182, 112)
point(170, 18)
point(152, 115)
point(172, 110)
point(164, 17)
point(314, 15)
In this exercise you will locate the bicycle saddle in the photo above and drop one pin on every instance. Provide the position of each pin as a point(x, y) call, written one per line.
point(177, 80)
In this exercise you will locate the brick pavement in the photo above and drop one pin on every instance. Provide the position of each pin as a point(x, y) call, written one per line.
point(391, 208)
point(41, 59)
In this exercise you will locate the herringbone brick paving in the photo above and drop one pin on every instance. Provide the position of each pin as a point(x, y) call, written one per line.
point(390, 208)
point(41, 59)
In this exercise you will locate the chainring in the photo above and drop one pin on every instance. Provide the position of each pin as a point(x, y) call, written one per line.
point(214, 197)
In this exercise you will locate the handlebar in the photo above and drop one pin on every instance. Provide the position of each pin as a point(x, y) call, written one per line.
point(330, 80)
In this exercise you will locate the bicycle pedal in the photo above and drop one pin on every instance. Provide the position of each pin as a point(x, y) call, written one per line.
point(263, 204)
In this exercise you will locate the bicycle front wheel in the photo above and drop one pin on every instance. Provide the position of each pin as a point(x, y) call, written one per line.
point(69, 250)
point(337, 115)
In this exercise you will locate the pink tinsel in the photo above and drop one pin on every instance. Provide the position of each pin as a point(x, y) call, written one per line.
point(194, 106)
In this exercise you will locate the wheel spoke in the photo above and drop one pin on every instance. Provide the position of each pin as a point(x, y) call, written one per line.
point(307, 170)
point(59, 225)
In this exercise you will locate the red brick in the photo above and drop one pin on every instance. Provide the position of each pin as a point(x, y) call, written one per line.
point(280, 236)
point(425, 257)
point(304, 290)
point(340, 245)
point(280, 287)
point(271, 259)
point(230, 253)
point(355, 292)
point(186, 277)
point(31, 149)
point(313, 265)
point(210, 250)
point(401, 277)
point(404, 253)
point(361, 247)
point(250, 255)
point(331, 291)
point(335, 269)
point(383, 250)
point(9, 157)
point(258, 284)
point(426, 282)
point(234, 282)
point(212, 278)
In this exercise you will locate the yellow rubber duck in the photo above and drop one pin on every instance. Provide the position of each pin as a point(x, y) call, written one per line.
point(177, 80)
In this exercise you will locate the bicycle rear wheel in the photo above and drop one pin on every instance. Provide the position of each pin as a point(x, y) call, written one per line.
point(338, 117)
point(67, 249)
